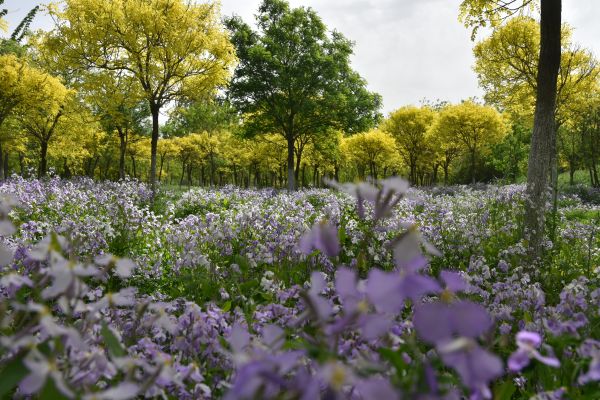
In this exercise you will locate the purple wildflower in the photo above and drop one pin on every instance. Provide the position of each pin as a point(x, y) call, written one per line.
point(528, 343)
point(324, 237)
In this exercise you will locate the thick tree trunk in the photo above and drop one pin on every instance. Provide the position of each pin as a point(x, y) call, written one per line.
point(290, 164)
point(544, 131)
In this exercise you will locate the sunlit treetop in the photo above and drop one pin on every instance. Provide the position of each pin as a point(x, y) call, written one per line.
point(477, 14)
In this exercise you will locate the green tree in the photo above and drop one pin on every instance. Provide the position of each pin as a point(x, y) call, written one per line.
point(509, 157)
point(295, 79)
point(205, 115)
point(174, 49)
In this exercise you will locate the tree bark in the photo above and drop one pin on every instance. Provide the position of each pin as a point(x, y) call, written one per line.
point(1, 163)
point(6, 165)
point(43, 159)
point(155, 109)
point(473, 161)
point(290, 164)
point(544, 131)
point(122, 152)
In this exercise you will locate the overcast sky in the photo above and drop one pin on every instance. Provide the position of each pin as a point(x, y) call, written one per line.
point(407, 50)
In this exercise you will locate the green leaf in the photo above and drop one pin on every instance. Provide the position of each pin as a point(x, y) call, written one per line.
point(11, 375)
point(394, 358)
point(505, 391)
point(227, 306)
point(112, 342)
point(50, 392)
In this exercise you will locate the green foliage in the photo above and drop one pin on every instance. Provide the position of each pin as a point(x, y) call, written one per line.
point(295, 79)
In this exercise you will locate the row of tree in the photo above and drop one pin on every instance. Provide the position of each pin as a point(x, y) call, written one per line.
point(86, 96)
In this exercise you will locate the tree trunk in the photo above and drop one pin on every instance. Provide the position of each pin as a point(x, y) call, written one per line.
point(303, 175)
point(43, 159)
point(6, 165)
point(336, 172)
point(1, 163)
point(297, 170)
point(290, 164)
point(542, 139)
point(473, 166)
point(155, 109)
point(182, 173)
point(133, 165)
point(162, 160)
point(122, 152)
point(212, 170)
point(445, 167)
point(22, 163)
point(235, 181)
point(571, 174)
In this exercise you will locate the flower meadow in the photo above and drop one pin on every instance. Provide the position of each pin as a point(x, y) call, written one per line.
point(362, 291)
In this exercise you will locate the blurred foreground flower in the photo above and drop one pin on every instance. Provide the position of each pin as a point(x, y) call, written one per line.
point(528, 343)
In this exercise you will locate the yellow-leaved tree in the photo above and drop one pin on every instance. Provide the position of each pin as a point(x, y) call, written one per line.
point(41, 116)
point(474, 127)
point(174, 49)
point(408, 126)
point(373, 152)
point(21, 86)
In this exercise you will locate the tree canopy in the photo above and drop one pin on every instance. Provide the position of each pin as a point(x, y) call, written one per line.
point(295, 79)
point(174, 49)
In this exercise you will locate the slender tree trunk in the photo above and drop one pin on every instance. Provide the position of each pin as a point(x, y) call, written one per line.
point(6, 165)
point(1, 163)
point(162, 160)
point(22, 164)
point(155, 109)
point(297, 170)
point(122, 152)
point(473, 154)
point(182, 173)
point(43, 168)
point(544, 131)
point(290, 164)
point(133, 165)
point(235, 181)
point(445, 167)
point(571, 173)
point(212, 169)
point(303, 175)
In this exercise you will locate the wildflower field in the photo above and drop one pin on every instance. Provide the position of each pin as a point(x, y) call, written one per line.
point(360, 292)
